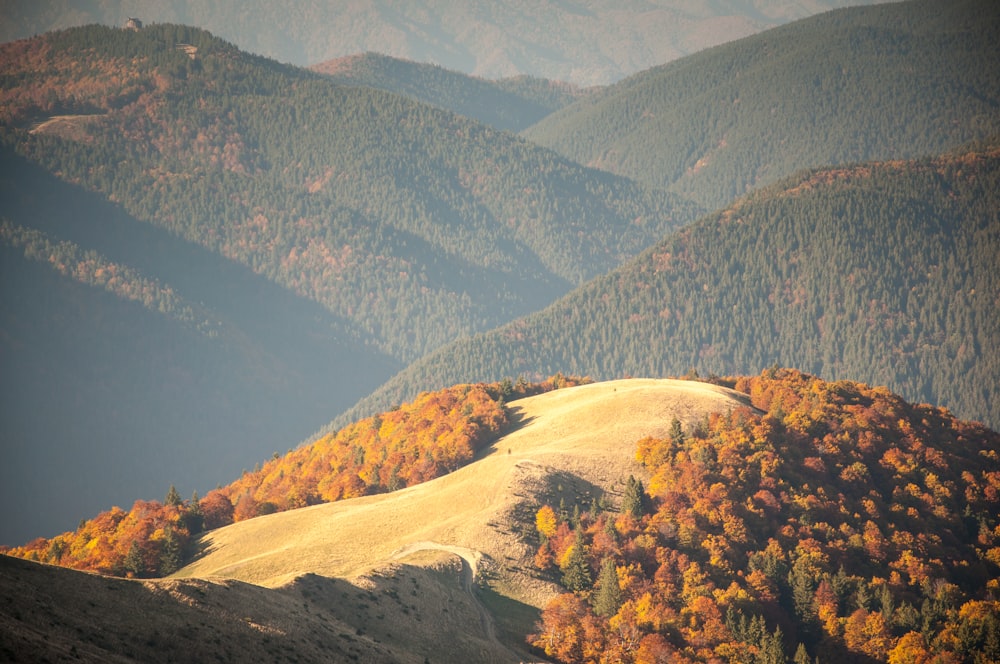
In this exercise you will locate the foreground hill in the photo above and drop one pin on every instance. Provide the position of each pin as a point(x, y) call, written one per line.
point(511, 104)
point(885, 271)
point(787, 505)
point(587, 43)
point(400, 593)
point(893, 81)
point(373, 229)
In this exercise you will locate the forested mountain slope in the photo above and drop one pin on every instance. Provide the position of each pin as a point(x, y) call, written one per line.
point(883, 271)
point(413, 223)
point(897, 80)
point(590, 42)
point(133, 359)
point(512, 104)
point(336, 232)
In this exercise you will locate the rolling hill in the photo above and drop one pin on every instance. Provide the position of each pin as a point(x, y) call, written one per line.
point(882, 271)
point(299, 240)
point(587, 43)
point(350, 566)
point(757, 492)
point(891, 81)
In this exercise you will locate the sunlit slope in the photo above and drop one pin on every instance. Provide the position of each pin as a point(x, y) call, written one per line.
point(583, 436)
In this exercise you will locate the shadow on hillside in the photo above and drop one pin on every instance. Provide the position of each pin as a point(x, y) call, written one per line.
point(416, 608)
point(515, 421)
point(568, 494)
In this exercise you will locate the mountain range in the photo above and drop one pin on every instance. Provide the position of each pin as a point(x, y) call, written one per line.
point(883, 82)
point(594, 42)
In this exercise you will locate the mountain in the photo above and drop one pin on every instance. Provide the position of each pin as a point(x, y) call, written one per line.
point(586, 43)
point(891, 81)
point(210, 250)
point(511, 104)
point(776, 504)
point(884, 271)
point(413, 223)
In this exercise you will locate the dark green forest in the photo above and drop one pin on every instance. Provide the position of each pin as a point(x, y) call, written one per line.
point(896, 80)
point(885, 272)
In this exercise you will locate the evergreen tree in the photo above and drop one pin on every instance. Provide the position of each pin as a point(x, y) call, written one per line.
point(676, 432)
point(772, 650)
point(576, 571)
point(634, 497)
point(608, 596)
point(193, 517)
point(134, 564)
point(173, 497)
point(170, 553)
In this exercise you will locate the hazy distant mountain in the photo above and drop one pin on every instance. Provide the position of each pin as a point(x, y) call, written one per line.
point(588, 43)
point(511, 103)
point(892, 81)
point(885, 272)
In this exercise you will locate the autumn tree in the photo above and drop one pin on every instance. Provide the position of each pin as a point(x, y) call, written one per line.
point(545, 522)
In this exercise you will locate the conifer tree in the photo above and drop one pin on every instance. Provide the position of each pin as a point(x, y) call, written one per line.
point(133, 563)
point(173, 497)
point(634, 497)
point(676, 433)
point(608, 596)
point(576, 571)
point(772, 650)
point(170, 553)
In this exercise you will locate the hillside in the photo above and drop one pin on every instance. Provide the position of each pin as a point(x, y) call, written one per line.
point(510, 104)
point(414, 224)
point(883, 271)
point(576, 443)
point(757, 495)
point(331, 230)
point(586, 43)
point(128, 352)
point(892, 81)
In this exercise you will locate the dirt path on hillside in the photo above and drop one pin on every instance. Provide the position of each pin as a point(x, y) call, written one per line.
point(71, 121)
point(471, 560)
